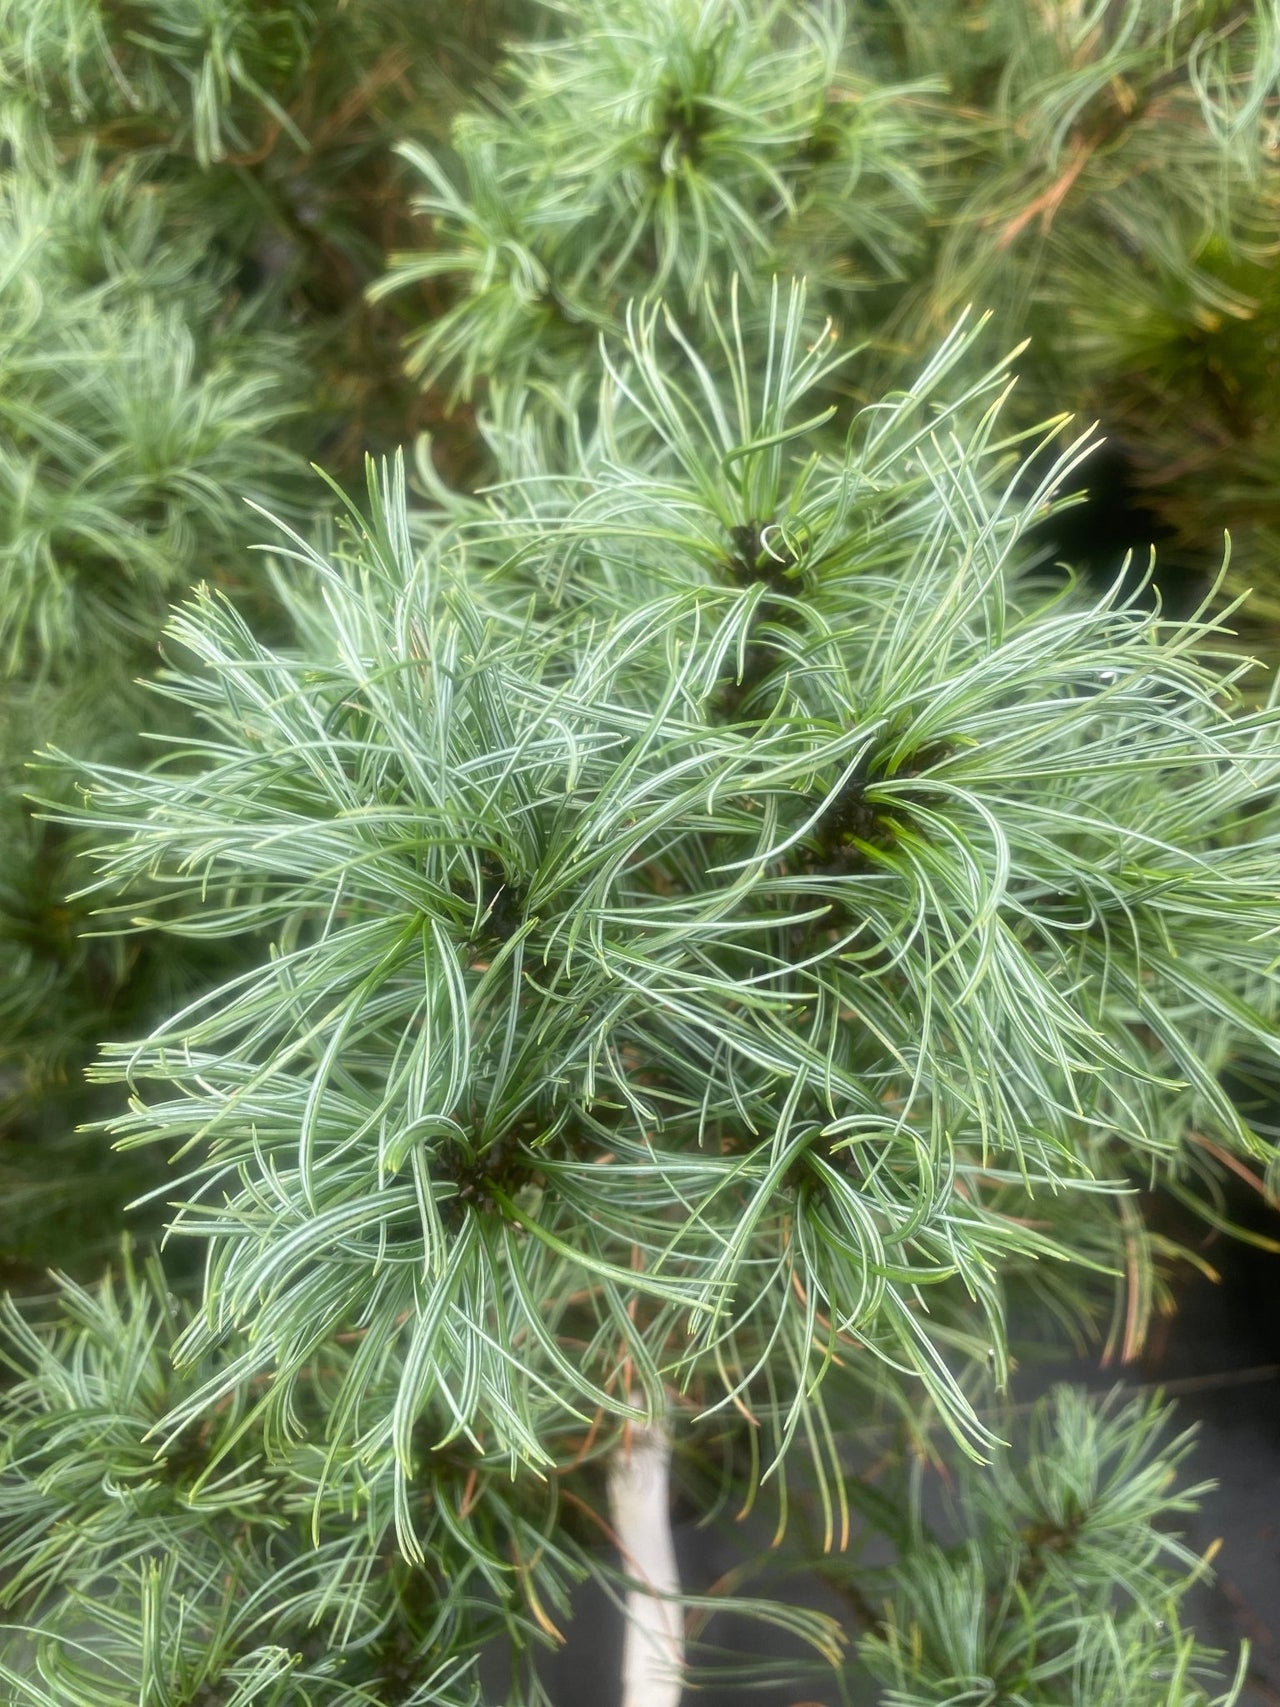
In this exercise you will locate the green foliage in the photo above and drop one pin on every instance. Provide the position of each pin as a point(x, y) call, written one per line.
point(202, 1564)
point(708, 879)
point(1118, 200)
point(665, 146)
point(144, 1557)
point(199, 74)
point(214, 79)
point(142, 407)
point(691, 929)
point(141, 402)
point(181, 310)
point(1064, 1588)
point(1100, 176)
point(1139, 129)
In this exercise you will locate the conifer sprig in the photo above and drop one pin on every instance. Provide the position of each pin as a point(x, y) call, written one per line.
point(202, 1562)
point(1100, 177)
point(666, 146)
point(622, 1028)
point(140, 409)
point(1064, 1585)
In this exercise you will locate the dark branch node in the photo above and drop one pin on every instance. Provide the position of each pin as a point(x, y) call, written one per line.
point(825, 142)
point(502, 1167)
point(852, 817)
point(398, 1660)
point(501, 900)
point(187, 1453)
point(682, 123)
point(852, 826)
point(216, 1693)
point(758, 557)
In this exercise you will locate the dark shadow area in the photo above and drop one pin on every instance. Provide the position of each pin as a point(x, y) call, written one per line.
point(1114, 518)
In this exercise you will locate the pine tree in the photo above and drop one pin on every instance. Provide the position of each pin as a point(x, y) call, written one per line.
point(665, 942)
